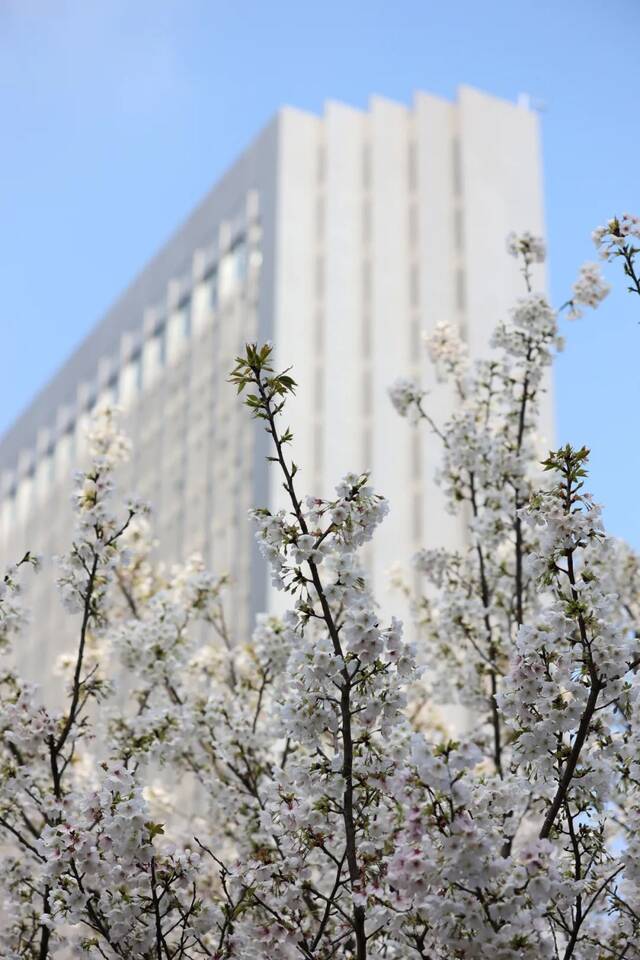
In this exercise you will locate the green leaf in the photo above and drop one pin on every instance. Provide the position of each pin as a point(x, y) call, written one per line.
point(155, 829)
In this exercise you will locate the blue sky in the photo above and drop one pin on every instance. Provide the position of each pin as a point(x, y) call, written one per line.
point(118, 116)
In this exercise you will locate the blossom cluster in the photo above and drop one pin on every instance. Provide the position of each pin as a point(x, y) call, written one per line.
point(589, 290)
point(617, 239)
point(612, 237)
point(406, 396)
point(448, 353)
point(526, 245)
point(532, 630)
point(104, 870)
point(291, 794)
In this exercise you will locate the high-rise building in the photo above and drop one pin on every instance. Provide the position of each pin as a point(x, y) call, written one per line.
point(341, 238)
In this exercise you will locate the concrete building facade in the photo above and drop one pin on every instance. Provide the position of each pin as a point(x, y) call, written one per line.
point(341, 238)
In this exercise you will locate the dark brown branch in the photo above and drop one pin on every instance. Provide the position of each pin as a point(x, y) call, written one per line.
point(345, 697)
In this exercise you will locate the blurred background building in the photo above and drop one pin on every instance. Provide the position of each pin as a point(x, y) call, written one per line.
point(341, 238)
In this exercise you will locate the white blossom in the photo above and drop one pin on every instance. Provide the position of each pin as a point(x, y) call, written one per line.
point(589, 290)
point(293, 794)
point(526, 245)
point(406, 396)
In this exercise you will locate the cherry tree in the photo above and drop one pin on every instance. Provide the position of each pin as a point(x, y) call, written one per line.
point(203, 795)
point(616, 240)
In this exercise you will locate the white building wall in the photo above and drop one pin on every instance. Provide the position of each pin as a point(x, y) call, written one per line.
point(383, 223)
point(373, 227)
point(440, 216)
point(502, 191)
point(341, 270)
point(296, 298)
point(392, 319)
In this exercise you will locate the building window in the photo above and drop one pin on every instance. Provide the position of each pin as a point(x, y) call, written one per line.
point(153, 358)
point(44, 475)
point(23, 497)
point(113, 388)
point(212, 285)
point(319, 332)
point(366, 281)
point(321, 168)
point(178, 330)
point(457, 167)
point(460, 290)
point(366, 334)
point(413, 225)
point(415, 336)
point(459, 230)
point(414, 285)
point(82, 427)
point(129, 381)
point(239, 253)
point(162, 340)
point(201, 306)
point(319, 284)
point(7, 515)
point(413, 166)
point(232, 270)
point(320, 218)
point(366, 221)
point(226, 280)
point(366, 166)
point(63, 456)
point(367, 393)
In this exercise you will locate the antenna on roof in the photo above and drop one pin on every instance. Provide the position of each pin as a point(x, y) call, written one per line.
point(527, 102)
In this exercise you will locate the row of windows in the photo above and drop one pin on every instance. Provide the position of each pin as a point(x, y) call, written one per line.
point(178, 458)
point(162, 348)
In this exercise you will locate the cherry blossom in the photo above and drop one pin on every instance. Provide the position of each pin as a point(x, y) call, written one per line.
point(295, 793)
